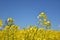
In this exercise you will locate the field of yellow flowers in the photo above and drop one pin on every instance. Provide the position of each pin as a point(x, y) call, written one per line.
point(11, 31)
point(31, 33)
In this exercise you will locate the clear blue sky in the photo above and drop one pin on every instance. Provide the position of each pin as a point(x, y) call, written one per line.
point(25, 12)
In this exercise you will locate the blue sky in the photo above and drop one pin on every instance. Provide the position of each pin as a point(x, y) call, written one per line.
point(25, 12)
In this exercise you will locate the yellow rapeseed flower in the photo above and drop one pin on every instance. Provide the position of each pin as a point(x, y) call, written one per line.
point(6, 27)
point(1, 23)
point(9, 20)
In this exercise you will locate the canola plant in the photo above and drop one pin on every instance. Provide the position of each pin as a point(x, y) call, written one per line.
point(11, 31)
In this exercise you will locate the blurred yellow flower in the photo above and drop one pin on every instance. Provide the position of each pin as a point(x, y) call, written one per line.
point(1, 23)
point(9, 20)
point(6, 27)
